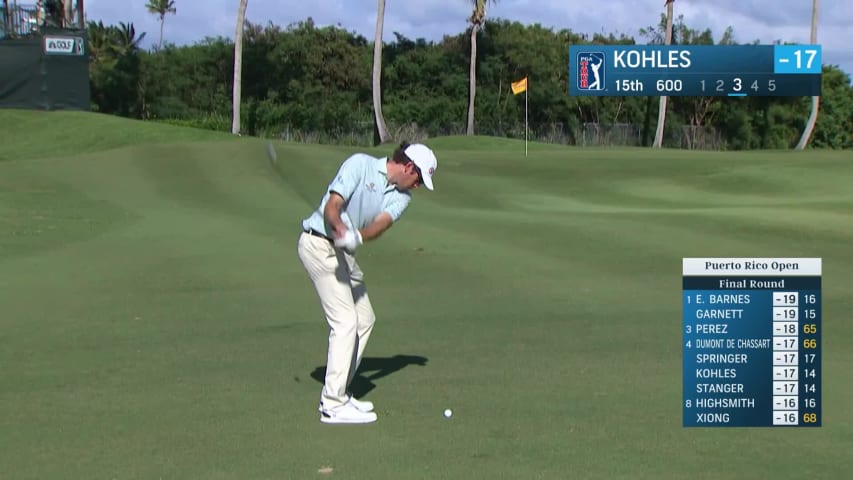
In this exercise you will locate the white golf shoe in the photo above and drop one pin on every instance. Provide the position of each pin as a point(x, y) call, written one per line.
point(346, 413)
point(363, 405)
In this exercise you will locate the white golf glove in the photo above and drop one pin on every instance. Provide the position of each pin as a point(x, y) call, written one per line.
point(349, 241)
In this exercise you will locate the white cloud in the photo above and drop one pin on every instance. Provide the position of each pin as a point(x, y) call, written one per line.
point(763, 20)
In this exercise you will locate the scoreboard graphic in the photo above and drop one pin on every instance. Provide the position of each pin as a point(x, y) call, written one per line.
point(695, 70)
point(751, 342)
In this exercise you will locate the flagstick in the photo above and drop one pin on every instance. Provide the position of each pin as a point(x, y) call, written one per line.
point(525, 120)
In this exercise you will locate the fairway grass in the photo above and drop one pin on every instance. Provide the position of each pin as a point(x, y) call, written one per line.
point(156, 321)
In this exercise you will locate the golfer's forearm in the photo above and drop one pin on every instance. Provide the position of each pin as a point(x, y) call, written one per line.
point(332, 214)
point(382, 222)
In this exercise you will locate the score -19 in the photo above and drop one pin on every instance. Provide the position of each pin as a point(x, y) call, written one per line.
point(736, 85)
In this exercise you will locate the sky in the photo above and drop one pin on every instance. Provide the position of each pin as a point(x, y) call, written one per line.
point(763, 20)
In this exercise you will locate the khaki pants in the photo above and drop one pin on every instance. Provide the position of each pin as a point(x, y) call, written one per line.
point(339, 282)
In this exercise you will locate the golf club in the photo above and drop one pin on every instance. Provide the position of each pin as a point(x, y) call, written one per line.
point(286, 177)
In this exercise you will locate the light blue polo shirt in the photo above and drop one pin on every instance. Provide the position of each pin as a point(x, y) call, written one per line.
point(363, 182)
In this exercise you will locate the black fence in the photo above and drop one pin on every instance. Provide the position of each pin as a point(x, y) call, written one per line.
point(19, 20)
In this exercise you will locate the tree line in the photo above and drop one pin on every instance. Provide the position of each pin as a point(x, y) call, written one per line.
point(318, 80)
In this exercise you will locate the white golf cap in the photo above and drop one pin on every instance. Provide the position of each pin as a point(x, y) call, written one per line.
point(425, 161)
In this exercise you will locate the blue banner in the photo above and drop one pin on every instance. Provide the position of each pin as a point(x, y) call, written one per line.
point(694, 70)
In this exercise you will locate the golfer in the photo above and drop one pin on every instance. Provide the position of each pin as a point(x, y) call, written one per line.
point(366, 197)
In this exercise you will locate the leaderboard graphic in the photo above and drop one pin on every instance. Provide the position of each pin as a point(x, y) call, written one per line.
point(751, 342)
point(695, 70)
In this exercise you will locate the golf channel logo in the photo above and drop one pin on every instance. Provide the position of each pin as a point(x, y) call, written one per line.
point(54, 45)
point(590, 71)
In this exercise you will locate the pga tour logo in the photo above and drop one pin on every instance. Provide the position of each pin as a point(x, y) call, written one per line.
point(63, 45)
point(590, 71)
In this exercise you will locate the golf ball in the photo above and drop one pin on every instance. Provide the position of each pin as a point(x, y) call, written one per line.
point(448, 413)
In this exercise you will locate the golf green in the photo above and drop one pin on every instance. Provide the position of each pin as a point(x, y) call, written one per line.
point(156, 321)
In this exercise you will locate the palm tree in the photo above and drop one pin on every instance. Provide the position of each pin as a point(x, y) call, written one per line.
point(109, 43)
point(99, 42)
point(381, 128)
point(127, 43)
point(807, 133)
point(238, 68)
point(161, 8)
point(662, 106)
point(478, 17)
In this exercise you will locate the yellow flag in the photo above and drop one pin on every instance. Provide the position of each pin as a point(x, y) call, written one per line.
point(519, 86)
